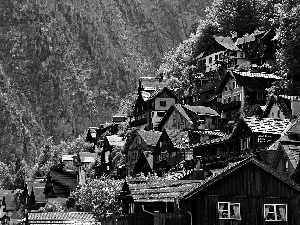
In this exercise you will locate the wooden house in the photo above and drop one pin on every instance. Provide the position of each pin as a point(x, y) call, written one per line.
point(143, 142)
point(282, 107)
point(174, 146)
point(238, 88)
point(189, 117)
point(151, 105)
point(246, 192)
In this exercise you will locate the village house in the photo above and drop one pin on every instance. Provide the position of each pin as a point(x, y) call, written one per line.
point(151, 107)
point(173, 147)
point(259, 47)
point(189, 117)
point(249, 135)
point(238, 88)
point(222, 51)
point(282, 107)
point(109, 144)
point(141, 150)
point(238, 192)
point(232, 195)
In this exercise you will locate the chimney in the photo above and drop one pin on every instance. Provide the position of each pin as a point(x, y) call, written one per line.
point(198, 173)
point(295, 106)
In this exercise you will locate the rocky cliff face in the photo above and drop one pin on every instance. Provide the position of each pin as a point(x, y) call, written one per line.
point(66, 64)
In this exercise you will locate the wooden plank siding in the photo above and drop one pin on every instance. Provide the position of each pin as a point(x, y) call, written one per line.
point(252, 187)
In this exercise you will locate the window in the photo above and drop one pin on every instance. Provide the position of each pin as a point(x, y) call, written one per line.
point(228, 210)
point(162, 103)
point(239, 97)
point(225, 101)
point(278, 114)
point(234, 98)
point(233, 85)
point(260, 96)
point(285, 166)
point(225, 89)
point(214, 120)
point(174, 121)
point(160, 114)
point(216, 57)
point(229, 99)
point(221, 56)
point(210, 60)
point(242, 55)
point(275, 212)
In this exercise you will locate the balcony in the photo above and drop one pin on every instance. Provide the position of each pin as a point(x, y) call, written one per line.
point(230, 106)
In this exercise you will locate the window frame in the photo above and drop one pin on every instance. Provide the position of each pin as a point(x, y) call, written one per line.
point(276, 219)
point(228, 211)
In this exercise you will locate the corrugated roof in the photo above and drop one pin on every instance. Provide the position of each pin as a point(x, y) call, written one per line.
point(115, 140)
point(63, 216)
point(227, 43)
point(150, 137)
point(266, 125)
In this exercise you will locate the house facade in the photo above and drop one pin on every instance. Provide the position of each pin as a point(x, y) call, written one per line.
point(238, 88)
point(246, 192)
point(143, 142)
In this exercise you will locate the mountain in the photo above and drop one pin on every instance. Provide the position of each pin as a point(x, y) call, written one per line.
point(65, 65)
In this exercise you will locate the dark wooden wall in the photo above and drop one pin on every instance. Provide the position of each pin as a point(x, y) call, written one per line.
point(252, 187)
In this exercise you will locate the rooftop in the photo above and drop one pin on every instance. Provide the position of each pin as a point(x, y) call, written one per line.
point(150, 137)
point(259, 75)
point(62, 216)
point(115, 140)
point(227, 43)
point(266, 125)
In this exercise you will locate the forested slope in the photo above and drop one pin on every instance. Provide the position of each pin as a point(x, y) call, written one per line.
point(65, 65)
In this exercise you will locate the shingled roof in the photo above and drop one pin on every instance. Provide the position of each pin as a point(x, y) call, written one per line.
point(266, 125)
point(115, 140)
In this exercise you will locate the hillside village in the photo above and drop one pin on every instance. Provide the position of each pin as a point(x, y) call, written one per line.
point(224, 153)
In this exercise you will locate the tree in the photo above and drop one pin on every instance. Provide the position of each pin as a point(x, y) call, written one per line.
point(52, 206)
point(98, 196)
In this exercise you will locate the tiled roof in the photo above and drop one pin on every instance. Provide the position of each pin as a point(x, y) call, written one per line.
point(84, 156)
point(292, 151)
point(201, 110)
point(266, 125)
point(227, 43)
point(179, 138)
point(260, 75)
point(178, 175)
point(9, 199)
point(158, 92)
point(248, 38)
point(209, 132)
point(62, 216)
point(152, 82)
point(150, 137)
point(115, 140)
point(182, 112)
point(233, 167)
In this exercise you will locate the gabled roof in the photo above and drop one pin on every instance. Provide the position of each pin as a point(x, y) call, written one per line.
point(266, 125)
point(159, 91)
point(226, 42)
point(150, 137)
point(247, 38)
point(222, 174)
point(190, 113)
point(84, 217)
point(115, 140)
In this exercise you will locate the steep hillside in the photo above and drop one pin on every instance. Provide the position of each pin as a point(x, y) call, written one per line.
point(69, 63)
